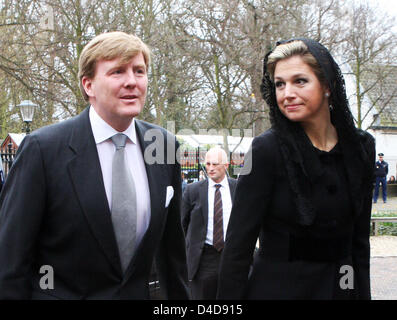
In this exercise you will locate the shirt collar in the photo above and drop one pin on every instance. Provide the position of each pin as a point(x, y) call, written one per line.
point(223, 183)
point(102, 131)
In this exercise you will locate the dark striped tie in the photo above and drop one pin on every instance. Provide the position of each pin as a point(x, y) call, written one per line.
point(217, 241)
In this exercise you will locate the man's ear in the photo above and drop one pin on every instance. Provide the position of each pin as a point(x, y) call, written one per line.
point(87, 85)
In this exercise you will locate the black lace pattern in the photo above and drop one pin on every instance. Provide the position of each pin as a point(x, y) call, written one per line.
point(302, 163)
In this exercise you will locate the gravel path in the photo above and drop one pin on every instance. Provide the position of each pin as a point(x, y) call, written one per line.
point(384, 267)
point(383, 246)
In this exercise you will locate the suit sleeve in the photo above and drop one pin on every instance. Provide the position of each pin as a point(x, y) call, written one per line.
point(253, 191)
point(22, 205)
point(361, 245)
point(186, 209)
point(171, 257)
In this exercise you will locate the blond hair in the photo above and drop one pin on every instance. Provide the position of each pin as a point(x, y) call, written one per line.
point(295, 48)
point(109, 46)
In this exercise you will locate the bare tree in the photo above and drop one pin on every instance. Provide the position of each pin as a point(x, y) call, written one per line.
point(369, 48)
point(208, 55)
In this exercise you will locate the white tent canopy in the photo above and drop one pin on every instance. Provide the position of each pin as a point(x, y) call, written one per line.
point(196, 141)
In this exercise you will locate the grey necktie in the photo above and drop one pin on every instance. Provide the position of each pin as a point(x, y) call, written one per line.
point(123, 202)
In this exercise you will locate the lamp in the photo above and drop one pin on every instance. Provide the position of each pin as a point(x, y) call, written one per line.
point(27, 110)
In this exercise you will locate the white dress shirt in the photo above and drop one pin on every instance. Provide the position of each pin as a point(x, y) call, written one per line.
point(226, 206)
point(106, 149)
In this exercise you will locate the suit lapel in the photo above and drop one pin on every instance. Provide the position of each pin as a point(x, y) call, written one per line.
point(156, 176)
point(86, 174)
point(232, 187)
point(203, 193)
point(157, 179)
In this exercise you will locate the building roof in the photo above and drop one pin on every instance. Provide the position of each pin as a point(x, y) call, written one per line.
point(382, 94)
point(15, 138)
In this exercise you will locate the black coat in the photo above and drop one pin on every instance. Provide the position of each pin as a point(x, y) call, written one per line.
point(195, 220)
point(54, 211)
point(294, 261)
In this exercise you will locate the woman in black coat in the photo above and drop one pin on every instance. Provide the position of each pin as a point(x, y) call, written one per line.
point(305, 189)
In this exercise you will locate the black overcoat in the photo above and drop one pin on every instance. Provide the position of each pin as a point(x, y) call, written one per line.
point(295, 261)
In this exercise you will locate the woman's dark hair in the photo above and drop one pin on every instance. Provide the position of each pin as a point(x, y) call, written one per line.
point(341, 116)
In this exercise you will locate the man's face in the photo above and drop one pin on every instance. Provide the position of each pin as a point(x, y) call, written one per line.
point(118, 91)
point(380, 158)
point(215, 166)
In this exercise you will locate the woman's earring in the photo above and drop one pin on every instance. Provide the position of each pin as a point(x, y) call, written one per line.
point(330, 106)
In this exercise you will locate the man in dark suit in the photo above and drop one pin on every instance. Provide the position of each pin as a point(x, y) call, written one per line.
point(65, 233)
point(206, 208)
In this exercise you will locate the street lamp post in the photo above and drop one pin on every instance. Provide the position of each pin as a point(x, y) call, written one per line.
point(27, 110)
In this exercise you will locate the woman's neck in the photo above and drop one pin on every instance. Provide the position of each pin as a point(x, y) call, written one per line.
point(322, 135)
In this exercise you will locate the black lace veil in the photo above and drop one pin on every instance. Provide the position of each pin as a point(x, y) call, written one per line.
point(302, 163)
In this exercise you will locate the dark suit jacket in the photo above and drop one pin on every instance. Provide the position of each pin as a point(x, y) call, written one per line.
point(54, 211)
point(195, 220)
point(263, 207)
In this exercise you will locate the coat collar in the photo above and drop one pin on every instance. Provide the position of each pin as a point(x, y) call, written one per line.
point(232, 186)
point(203, 193)
point(151, 142)
point(85, 172)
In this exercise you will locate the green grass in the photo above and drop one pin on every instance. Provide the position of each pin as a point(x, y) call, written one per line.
point(385, 213)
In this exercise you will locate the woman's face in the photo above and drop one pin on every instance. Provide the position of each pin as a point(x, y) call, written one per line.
point(300, 95)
